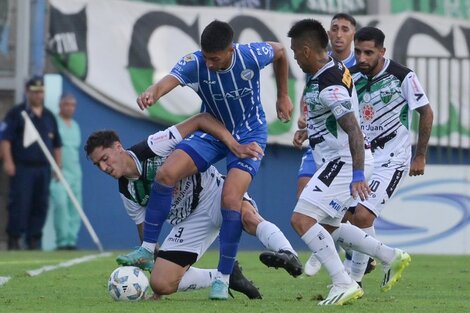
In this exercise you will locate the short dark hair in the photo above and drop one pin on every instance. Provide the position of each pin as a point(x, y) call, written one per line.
point(309, 30)
point(345, 16)
point(101, 138)
point(217, 36)
point(370, 33)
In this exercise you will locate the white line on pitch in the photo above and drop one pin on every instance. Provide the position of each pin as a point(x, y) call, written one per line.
point(4, 280)
point(69, 263)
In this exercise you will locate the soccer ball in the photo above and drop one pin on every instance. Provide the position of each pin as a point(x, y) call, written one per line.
point(128, 283)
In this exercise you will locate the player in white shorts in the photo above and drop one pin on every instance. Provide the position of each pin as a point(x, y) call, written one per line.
point(388, 93)
point(195, 214)
point(333, 132)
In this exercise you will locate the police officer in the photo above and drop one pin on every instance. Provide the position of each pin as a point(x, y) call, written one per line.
point(28, 168)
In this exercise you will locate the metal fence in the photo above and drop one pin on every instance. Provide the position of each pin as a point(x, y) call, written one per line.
point(446, 81)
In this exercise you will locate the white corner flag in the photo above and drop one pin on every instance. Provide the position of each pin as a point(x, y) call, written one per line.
point(31, 134)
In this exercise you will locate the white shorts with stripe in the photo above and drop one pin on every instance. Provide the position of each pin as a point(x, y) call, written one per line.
point(329, 190)
point(384, 183)
point(199, 230)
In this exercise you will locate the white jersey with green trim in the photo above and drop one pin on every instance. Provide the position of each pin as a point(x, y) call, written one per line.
point(189, 193)
point(329, 95)
point(386, 102)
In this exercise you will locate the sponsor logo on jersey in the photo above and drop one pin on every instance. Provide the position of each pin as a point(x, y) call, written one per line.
point(234, 94)
point(209, 82)
point(247, 74)
point(245, 166)
point(386, 95)
point(159, 137)
point(335, 205)
point(367, 112)
point(189, 58)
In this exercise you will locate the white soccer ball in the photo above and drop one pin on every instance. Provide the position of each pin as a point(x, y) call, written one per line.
point(128, 283)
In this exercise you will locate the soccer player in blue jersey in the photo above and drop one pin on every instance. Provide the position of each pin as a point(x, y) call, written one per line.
point(226, 76)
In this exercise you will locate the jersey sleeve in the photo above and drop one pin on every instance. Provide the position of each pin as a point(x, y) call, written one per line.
point(263, 52)
point(164, 142)
point(413, 92)
point(337, 98)
point(186, 70)
point(11, 123)
point(136, 212)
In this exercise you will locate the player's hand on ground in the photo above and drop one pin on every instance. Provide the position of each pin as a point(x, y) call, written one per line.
point(146, 99)
point(360, 189)
point(251, 150)
point(284, 108)
point(417, 166)
point(299, 137)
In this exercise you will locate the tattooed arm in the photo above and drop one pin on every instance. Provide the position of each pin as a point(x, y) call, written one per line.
point(425, 126)
point(350, 125)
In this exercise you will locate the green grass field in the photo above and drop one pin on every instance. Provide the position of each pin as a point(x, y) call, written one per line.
point(430, 284)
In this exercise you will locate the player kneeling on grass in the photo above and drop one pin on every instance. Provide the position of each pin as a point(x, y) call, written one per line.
point(195, 214)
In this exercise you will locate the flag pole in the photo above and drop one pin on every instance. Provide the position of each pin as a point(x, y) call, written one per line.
point(31, 135)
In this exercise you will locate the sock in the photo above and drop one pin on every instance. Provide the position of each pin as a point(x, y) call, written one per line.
point(229, 236)
point(359, 260)
point(149, 246)
point(223, 277)
point(321, 243)
point(197, 278)
point(158, 207)
point(272, 237)
point(357, 240)
point(347, 259)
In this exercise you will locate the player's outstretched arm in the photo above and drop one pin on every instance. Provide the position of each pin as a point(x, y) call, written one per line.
point(208, 124)
point(350, 125)
point(156, 91)
point(426, 117)
point(281, 71)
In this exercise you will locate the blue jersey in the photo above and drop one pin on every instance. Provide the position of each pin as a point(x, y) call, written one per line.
point(232, 95)
point(350, 61)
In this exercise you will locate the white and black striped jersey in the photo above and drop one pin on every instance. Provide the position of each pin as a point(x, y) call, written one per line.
point(329, 95)
point(385, 104)
point(149, 155)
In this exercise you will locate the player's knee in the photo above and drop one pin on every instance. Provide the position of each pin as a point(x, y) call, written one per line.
point(162, 286)
point(250, 220)
point(296, 222)
point(362, 217)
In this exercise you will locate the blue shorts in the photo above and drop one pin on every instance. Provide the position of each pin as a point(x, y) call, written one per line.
point(307, 166)
point(206, 150)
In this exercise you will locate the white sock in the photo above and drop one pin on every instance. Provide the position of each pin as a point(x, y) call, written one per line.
point(321, 243)
point(354, 238)
point(197, 278)
point(223, 277)
point(359, 260)
point(149, 246)
point(272, 237)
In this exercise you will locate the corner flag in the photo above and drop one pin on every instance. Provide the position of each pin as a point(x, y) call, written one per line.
point(31, 134)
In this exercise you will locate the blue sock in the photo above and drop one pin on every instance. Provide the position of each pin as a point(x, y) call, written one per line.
point(230, 234)
point(158, 207)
